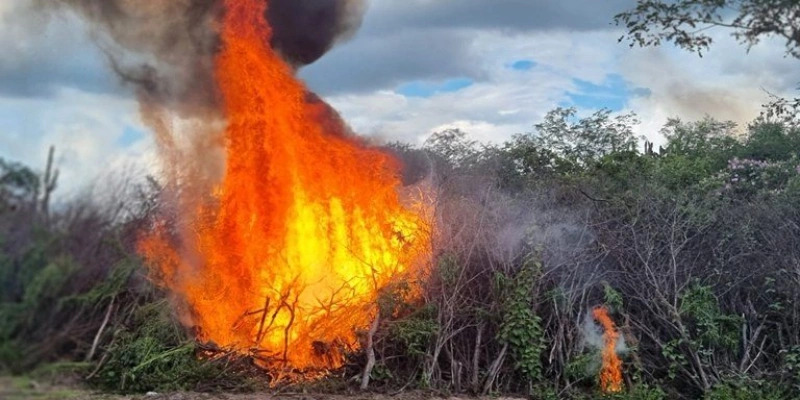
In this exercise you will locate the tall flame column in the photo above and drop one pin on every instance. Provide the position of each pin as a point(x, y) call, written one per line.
point(305, 228)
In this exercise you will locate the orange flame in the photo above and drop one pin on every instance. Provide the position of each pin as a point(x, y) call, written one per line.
point(611, 371)
point(304, 230)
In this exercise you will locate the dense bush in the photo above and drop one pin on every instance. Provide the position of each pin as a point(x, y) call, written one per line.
point(73, 289)
point(694, 248)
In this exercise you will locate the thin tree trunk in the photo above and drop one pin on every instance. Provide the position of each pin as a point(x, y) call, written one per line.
point(476, 360)
point(494, 369)
point(369, 348)
point(99, 334)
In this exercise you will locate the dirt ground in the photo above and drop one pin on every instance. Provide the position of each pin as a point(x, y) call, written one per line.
point(23, 388)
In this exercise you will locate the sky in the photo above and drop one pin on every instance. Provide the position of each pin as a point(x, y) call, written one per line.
point(490, 67)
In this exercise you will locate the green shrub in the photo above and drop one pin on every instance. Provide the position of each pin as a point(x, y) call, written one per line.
point(712, 326)
point(520, 327)
point(583, 367)
point(156, 354)
point(639, 392)
point(748, 390)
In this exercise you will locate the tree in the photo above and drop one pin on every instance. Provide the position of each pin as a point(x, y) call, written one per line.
point(587, 139)
point(17, 185)
point(530, 159)
point(771, 141)
point(453, 145)
point(686, 23)
point(700, 138)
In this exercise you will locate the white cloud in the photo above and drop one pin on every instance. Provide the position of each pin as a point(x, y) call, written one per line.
point(85, 129)
point(86, 122)
point(505, 103)
point(727, 84)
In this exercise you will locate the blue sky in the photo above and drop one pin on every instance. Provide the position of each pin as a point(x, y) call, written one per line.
point(523, 65)
point(415, 66)
point(429, 89)
point(613, 93)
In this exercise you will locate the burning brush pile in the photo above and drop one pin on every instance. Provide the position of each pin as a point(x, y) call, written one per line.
point(281, 246)
point(287, 254)
point(278, 227)
point(285, 242)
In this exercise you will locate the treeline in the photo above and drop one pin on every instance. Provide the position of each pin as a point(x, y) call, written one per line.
point(693, 245)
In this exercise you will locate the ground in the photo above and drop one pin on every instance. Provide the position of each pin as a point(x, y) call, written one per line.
point(23, 388)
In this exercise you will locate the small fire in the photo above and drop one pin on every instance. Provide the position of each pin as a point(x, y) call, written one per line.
point(287, 259)
point(611, 371)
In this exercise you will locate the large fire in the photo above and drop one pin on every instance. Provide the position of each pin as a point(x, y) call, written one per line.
point(307, 226)
point(611, 370)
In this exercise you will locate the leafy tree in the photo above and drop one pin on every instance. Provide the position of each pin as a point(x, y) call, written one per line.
point(696, 149)
point(686, 22)
point(18, 183)
point(587, 139)
point(453, 145)
point(700, 137)
point(771, 141)
point(532, 160)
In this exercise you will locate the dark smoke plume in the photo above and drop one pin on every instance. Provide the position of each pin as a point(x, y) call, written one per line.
point(166, 48)
point(304, 30)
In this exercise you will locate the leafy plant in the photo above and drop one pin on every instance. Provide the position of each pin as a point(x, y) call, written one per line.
point(520, 327)
point(156, 354)
point(748, 390)
point(712, 327)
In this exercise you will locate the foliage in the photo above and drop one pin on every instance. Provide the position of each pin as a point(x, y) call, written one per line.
point(520, 327)
point(152, 352)
point(712, 327)
point(17, 184)
point(531, 159)
point(686, 22)
point(587, 139)
point(693, 246)
point(640, 392)
point(612, 298)
point(704, 138)
point(415, 332)
point(583, 367)
point(453, 145)
point(748, 390)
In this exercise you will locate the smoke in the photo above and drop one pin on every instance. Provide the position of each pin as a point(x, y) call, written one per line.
point(166, 48)
point(163, 48)
point(304, 30)
point(593, 338)
point(675, 91)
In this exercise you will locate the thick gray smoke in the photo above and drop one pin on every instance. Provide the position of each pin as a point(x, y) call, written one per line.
point(166, 47)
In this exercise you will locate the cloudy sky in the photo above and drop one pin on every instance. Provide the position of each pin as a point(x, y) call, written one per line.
point(491, 67)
